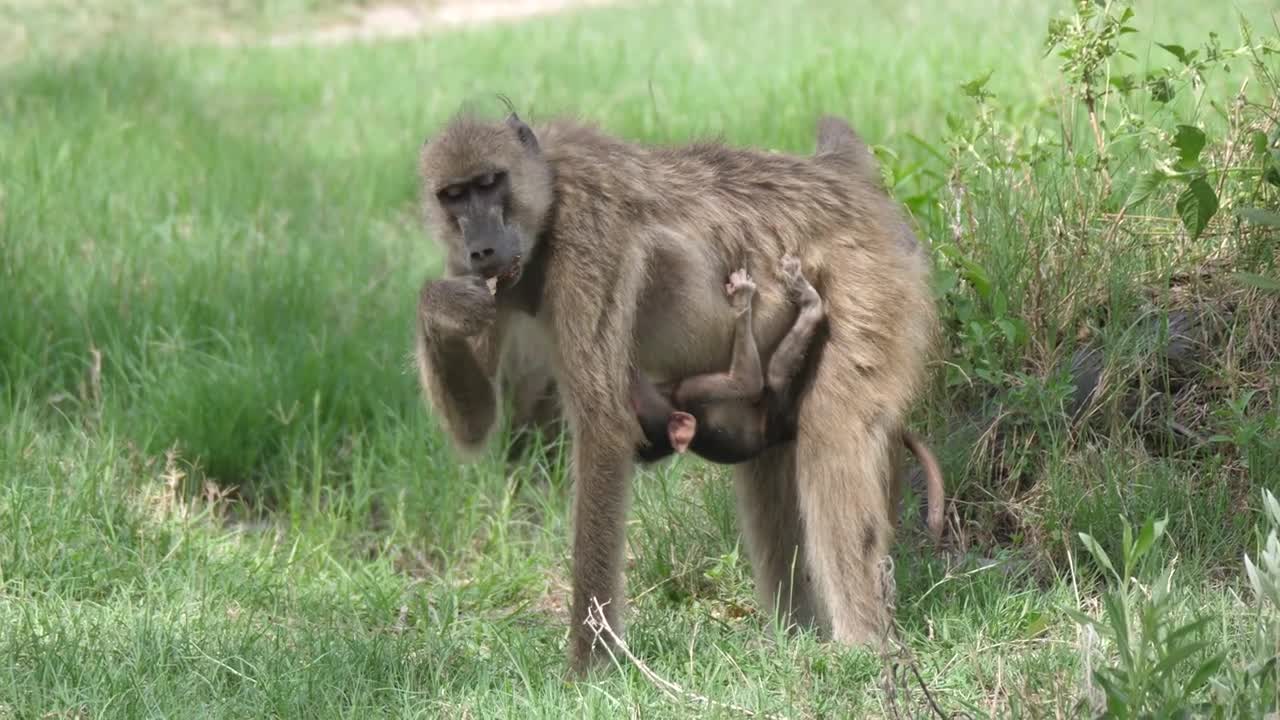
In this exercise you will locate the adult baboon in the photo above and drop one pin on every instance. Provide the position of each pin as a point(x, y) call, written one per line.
point(732, 416)
point(615, 248)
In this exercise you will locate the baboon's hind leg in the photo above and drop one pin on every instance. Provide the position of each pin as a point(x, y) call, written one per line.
point(842, 474)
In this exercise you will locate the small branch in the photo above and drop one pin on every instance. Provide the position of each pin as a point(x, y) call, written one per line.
point(600, 626)
point(1091, 106)
point(897, 657)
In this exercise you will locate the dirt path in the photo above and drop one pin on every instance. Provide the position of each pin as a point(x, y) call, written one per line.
point(389, 20)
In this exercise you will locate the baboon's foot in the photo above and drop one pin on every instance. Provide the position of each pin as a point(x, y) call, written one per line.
point(798, 287)
point(740, 290)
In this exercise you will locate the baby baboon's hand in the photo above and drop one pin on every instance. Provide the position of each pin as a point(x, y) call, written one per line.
point(740, 289)
point(456, 307)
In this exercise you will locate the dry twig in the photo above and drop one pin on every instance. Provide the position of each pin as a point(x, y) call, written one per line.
point(604, 634)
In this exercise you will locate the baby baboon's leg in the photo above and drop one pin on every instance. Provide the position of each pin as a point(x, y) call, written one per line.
point(681, 427)
point(744, 379)
point(769, 515)
point(657, 415)
point(788, 358)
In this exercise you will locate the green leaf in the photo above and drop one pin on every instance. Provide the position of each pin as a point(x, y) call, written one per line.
point(999, 304)
point(1096, 550)
point(1189, 141)
point(1082, 619)
point(1116, 614)
point(1260, 282)
point(977, 277)
point(1206, 671)
point(1126, 545)
point(1178, 656)
point(1124, 84)
point(1146, 185)
point(976, 88)
point(1161, 90)
point(1259, 216)
point(1273, 506)
point(1177, 51)
point(1190, 628)
point(1147, 536)
point(1258, 140)
point(1036, 626)
point(1196, 206)
point(1008, 330)
point(1251, 571)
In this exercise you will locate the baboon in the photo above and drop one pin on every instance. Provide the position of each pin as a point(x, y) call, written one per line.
point(615, 249)
point(731, 417)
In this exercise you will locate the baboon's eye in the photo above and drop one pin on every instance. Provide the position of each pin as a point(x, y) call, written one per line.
point(452, 192)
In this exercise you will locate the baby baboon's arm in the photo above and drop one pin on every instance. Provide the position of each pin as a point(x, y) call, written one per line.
point(745, 378)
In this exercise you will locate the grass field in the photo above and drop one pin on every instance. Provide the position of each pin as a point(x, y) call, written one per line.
point(221, 494)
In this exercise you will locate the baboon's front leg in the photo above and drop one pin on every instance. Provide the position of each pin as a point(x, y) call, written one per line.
point(456, 343)
point(602, 469)
point(745, 378)
point(593, 339)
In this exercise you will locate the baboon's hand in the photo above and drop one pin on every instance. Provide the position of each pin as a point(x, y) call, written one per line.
point(456, 307)
point(740, 289)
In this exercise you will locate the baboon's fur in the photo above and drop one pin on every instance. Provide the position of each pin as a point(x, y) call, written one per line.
point(528, 384)
point(623, 248)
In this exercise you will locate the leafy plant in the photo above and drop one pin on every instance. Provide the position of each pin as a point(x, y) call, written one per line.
point(1087, 42)
point(1159, 666)
point(1252, 688)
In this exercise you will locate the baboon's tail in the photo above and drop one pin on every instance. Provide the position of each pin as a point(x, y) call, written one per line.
point(838, 143)
point(932, 480)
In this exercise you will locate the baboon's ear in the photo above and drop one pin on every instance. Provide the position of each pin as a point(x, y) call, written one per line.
point(523, 132)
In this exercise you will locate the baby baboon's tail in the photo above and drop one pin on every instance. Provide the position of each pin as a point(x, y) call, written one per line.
point(838, 143)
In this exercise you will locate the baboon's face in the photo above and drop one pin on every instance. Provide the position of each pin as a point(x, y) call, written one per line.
point(488, 194)
point(479, 205)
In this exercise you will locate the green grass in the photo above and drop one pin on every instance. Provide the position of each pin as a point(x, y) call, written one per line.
point(234, 235)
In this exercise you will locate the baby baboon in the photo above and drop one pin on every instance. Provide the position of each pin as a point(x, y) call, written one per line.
point(731, 417)
point(616, 250)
